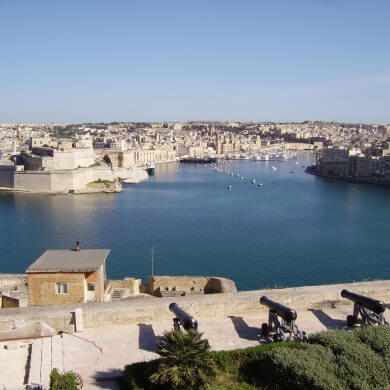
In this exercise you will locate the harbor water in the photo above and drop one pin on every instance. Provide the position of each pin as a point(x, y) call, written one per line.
point(295, 229)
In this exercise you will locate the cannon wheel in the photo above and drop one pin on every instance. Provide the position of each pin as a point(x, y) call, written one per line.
point(350, 321)
point(265, 329)
point(278, 337)
point(176, 324)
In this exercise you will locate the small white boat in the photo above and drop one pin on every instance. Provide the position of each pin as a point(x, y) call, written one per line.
point(253, 181)
point(241, 177)
point(229, 187)
point(274, 168)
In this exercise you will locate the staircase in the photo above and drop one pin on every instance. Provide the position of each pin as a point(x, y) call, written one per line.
point(46, 353)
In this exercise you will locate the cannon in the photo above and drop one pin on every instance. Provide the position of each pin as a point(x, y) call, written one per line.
point(368, 309)
point(182, 318)
point(281, 322)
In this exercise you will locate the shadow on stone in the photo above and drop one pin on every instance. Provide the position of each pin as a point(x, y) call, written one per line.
point(243, 330)
point(327, 321)
point(107, 379)
point(146, 338)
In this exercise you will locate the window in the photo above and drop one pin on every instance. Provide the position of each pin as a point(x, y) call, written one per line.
point(91, 286)
point(61, 288)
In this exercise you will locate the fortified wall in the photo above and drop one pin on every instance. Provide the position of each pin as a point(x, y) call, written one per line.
point(64, 181)
point(187, 285)
point(148, 310)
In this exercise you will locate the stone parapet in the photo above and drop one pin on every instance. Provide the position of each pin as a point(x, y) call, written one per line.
point(245, 303)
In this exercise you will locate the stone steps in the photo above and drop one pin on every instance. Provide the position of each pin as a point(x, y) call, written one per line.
point(46, 354)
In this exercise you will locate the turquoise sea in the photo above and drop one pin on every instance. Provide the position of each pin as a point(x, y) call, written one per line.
point(296, 229)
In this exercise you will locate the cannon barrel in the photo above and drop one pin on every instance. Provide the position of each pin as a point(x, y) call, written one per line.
point(285, 312)
point(374, 305)
point(187, 321)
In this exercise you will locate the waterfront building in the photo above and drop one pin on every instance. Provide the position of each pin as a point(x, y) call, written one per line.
point(63, 276)
point(353, 164)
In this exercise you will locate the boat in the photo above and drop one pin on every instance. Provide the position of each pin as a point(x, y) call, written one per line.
point(229, 187)
point(260, 184)
point(274, 168)
point(253, 181)
point(197, 160)
point(150, 169)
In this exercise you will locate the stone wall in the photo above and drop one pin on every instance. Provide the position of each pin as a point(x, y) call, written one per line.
point(55, 181)
point(148, 310)
point(132, 284)
point(42, 288)
point(63, 181)
point(190, 284)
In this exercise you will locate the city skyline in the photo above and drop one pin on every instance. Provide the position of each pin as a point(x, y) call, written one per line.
point(261, 61)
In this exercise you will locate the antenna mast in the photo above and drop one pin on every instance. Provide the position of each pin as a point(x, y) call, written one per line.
point(152, 254)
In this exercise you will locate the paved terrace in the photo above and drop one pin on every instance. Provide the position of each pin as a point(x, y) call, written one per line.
point(100, 352)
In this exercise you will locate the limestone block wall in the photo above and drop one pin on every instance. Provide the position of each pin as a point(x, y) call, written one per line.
point(148, 310)
point(134, 175)
point(206, 284)
point(42, 288)
point(62, 181)
point(134, 285)
point(103, 173)
point(32, 181)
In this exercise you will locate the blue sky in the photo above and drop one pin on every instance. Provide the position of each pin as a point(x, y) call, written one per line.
point(185, 60)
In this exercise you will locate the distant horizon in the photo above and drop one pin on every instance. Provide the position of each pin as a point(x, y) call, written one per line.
point(192, 120)
point(102, 61)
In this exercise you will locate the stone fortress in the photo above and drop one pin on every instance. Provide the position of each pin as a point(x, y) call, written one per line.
point(64, 167)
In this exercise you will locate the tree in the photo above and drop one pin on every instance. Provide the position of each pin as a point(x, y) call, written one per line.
point(185, 360)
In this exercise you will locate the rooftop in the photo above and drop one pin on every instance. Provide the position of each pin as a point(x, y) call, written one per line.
point(69, 260)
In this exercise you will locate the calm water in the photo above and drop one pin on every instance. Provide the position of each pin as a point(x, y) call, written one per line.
point(297, 229)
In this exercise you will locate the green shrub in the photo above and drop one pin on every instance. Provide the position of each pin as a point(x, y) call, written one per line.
point(357, 363)
point(299, 367)
point(185, 360)
point(231, 361)
point(377, 338)
point(65, 381)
